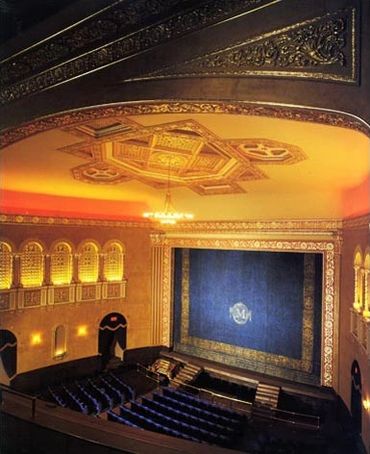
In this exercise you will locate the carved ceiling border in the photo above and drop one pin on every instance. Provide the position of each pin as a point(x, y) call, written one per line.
point(296, 113)
point(282, 53)
point(210, 227)
point(132, 43)
point(283, 225)
point(22, 219)
point(330, 251)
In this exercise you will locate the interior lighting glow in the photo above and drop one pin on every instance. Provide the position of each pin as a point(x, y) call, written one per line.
point(82, 331)
point(366, 404)
point(36, 339)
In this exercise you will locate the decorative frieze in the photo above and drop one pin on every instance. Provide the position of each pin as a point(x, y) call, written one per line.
point(88, 292)
point(31, 297)
point(8, 299)
point(321, 48)
point(297, 113)
point(118, 36)
point(114, 290)
point(61, 294)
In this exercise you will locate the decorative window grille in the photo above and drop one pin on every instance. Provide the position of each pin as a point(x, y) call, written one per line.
point(88, 267)
point(32, 265)
point(61, 264)
point(113, 262)
point(6, 266)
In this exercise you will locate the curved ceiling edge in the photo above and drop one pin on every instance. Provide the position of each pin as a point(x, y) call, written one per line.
point(262, 109)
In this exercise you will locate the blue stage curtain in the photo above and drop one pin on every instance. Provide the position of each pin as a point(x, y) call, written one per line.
point(253, 300)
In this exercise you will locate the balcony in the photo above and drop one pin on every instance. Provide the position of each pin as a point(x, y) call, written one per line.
point(360, 329)
point(49, 295)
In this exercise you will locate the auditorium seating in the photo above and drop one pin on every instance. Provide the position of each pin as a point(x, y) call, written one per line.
point(91, 395)
point(226, 387)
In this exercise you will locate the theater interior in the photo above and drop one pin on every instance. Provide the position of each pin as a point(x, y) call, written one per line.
point(184, 214)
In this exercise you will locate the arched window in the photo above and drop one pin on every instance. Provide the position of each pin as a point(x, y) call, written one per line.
point(88, 266)
point(357, 263)
point(61, 264)
point(32, 265)
point(113, 261)
point(60, 344)
point(6, 266)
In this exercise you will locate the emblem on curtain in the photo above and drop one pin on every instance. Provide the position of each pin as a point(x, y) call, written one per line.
point(240, 313)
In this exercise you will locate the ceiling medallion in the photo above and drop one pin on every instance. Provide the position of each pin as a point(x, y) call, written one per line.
point(119, 149)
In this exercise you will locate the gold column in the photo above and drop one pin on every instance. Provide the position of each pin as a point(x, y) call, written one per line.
point(160, 290)
point(156, 286)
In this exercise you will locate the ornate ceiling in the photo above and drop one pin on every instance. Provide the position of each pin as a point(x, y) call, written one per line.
point(187, 153)
point(224, 166)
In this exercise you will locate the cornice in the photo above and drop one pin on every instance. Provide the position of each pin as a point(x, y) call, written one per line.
point(20, 219)
point(283, 226)
point(271, 110)
point(357, 223)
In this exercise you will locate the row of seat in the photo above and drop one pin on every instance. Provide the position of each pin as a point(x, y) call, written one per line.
point(138, 420)
point(196, 411)
point(187, 398)
point(179, 424)
point(92, 395)
point(187, 417)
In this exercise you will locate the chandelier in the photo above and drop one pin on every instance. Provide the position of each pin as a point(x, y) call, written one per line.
point(169, 215)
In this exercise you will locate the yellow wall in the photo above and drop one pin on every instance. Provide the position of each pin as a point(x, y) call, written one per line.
point(136, 306)
point(349, 348)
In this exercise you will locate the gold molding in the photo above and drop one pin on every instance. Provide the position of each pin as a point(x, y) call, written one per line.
point(271, 110)
point(308, 226)
point(229, 60)
point(329, 249)
point(278, 226)
point(16, 219)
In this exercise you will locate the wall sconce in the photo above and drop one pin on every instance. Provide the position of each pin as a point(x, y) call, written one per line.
point(366, 404)
point(82, 331)
point(36, 339)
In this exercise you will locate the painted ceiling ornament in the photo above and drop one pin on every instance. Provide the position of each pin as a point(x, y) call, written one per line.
point(119, 149)
point(240, 313)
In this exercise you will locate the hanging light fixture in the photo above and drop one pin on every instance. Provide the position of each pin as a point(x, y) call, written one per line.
point(169, 215)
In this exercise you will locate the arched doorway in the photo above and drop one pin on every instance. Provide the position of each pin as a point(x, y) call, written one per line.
point(8, 356)
point(112, 337)
point(356, 396)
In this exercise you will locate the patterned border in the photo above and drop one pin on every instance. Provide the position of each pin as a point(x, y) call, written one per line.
point(296, 113)
point(303, 364)
point(330, 251)
point(136, 39)
point(216, 66)
point(49, 220)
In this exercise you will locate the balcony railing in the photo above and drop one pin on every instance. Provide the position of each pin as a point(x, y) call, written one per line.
point(47, 295)
point(360, 329)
